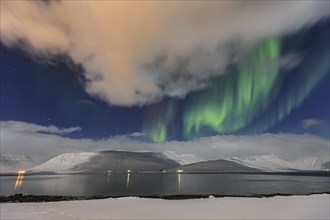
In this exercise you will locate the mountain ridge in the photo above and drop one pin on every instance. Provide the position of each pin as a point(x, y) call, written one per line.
point(115, 161)
point(220, 165)
point(121, 161)
point(271, 163)
point(15, 162)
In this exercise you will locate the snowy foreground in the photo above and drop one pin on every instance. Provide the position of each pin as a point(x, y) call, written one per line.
point(279, 207)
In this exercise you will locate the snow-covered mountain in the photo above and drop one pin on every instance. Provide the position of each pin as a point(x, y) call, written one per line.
point(118, 161)
point(312, 163)
point(64, 163)
point(121, 161)
point(265, 162)
point(183, 159)
point(215, 166)
point(15, 162)
point(273, 163)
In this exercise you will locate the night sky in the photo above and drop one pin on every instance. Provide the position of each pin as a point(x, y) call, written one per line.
point(183, 80)
point(52, 92)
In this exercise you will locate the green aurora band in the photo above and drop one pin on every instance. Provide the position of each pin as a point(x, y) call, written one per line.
point(158, 119)
point(311, 73)
point(236, 98)
point(250, 98)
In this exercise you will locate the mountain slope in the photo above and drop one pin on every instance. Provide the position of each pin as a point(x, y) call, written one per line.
point(64, 162)
point(272, 163)
point(326, 166)
point(265, 162)
point(117, 161)
point(312, 163)
point(215, 166)
point(15, 162)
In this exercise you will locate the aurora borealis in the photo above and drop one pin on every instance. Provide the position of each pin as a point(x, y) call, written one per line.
point(253, 96)
point(170, 71)
point(235, 99)
point(157, 121)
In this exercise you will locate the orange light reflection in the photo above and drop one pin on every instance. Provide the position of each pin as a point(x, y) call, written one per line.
point(19, 180)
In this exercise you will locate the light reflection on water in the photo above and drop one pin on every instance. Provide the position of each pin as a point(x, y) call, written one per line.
point(108, 179)
point(161, 184)
point(179, 181)
point(19, 181)
point(127, 182)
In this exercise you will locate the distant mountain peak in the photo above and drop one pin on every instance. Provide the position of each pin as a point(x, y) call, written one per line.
point(273, 163)
point(106, 160)
point(15, 162)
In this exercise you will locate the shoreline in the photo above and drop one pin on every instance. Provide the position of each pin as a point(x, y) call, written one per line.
point(293, 173)
point(21, 198)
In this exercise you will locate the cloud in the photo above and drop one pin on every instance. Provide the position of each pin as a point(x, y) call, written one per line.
point(23, 138)
point(134, 53)
point(85, 102)
point(136, 134)
point(311, 122)
point(22, 127)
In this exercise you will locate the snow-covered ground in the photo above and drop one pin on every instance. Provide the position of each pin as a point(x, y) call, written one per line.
point(279, 207)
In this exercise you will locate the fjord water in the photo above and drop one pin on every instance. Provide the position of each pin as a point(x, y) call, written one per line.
point(137, 184)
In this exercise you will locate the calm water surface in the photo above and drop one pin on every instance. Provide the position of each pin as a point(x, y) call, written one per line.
point(134, 184)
